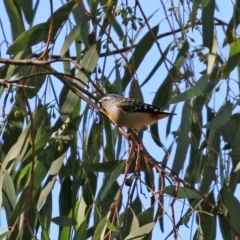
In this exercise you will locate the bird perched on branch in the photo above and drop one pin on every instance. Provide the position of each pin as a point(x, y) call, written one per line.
point(131, 113)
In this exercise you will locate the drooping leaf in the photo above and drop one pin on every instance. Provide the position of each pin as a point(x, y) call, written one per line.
point(181, 192)
point(233, 58)
point(183, 140)
point(89, 61)
point(39, 32)
point(81, 231)
point(208, 7)
point(64, 221)
point(141, 232)
point(233, 24)
point(144, 45)
point(195, 8)
point(99, 229)
point(74, 35)
point(233, 207)
point(196, 90)
point(112, 178)
point(29, 38)
point(27, 7)
point(222, 116)
point(15, 18)
point(158, 64)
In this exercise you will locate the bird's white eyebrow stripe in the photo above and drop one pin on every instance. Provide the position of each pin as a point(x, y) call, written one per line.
point(106, 98)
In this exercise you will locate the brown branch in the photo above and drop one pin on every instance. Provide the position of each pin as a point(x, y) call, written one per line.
point(175, 178)
point(31, 183)
point(50, 31)
point(74, 87)
point(127, 49)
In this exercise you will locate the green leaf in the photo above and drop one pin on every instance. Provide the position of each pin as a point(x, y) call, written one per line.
point(134, 223)
point(146, 216)
point(110, 141)
point(27, 7)
point(31, 216)
point(117, 28)
point(74, 35)
point(142, 48)
point(226, 231)
point(183, 140)
point(4, 235)
point(141, 232)
point(89, 61)
point(208, 220)
point(111, 227)
point(212, 56)
point(39, 32)
point(41, 170)
point(195, 7)
point(157, 65)
point(93, 9)
point(180, 59)
point(208, 173)
point(13, 12)
point(99, 230)
point(112, 178)
point(194, 168)
point(46, 213)
point(89, 190)
point(18, 209)
point(196, 90)
point(16, 69)
point(182, 192)
point(208, 7)
point(230, 129)
point(18, 147)
point(91, 57)
point(40, 143)
point(34, 81)
point(164, 92)
point(136, 206)
point(222, 116)
point(233, 58)
point(65, 196)
point(29, 38)
point(68, 106)
point(60, 16)
point(80, 17)
point(64, 221)
point(233, 207)
point(233, 24)
point(9, 192)
point(94, 141)
point(81, 231)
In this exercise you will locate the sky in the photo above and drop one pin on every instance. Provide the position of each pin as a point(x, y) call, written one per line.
point(148, 90)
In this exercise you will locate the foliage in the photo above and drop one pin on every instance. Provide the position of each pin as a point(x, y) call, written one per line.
point(64, 164)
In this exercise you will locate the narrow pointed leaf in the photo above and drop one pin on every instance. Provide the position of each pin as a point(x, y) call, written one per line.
point(141, 232)
point(183, 140)
point(182, 192)
point(221, 118)
point(144, 45)
point(196, 90)
point(64, 221)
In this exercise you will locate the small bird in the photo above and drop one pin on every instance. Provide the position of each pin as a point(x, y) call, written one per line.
point(131, 113)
